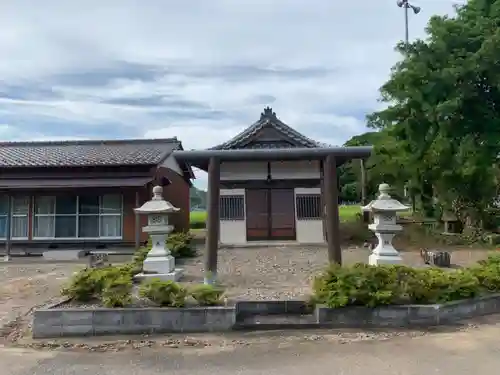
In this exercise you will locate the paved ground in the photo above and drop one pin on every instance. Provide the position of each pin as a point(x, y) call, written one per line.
point(474, 350)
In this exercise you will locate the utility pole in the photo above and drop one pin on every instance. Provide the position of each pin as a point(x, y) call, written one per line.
point(405, 4)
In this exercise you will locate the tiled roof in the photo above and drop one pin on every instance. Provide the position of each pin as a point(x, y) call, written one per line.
point(268, 119)
point(86, 153)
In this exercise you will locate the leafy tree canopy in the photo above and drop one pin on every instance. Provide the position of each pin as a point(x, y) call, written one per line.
point(443, 107)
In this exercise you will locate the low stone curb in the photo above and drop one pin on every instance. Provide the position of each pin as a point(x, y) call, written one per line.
point(94, 322)
point(52, 322)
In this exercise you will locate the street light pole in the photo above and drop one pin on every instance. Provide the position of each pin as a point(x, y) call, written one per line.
point(407, 31)
point(405, 4)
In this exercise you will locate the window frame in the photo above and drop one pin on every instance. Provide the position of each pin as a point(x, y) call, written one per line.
point(235, 213)
point(14, 215)
point(5, 215)
point(77, 216)
point(300, 206)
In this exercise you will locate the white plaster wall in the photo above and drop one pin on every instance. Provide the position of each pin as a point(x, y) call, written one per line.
point(243, 170)
point(295, 169)
point(233, 232)
point(309, 231)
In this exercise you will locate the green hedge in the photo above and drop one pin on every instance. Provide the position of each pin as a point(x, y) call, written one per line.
point(372, 286)
point(113, 285)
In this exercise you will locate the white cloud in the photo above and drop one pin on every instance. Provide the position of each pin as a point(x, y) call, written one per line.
point(199, 70)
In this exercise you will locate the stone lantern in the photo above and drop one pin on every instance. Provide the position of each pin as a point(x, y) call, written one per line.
point(384, 210)
point(159, 263)
point(450, 221)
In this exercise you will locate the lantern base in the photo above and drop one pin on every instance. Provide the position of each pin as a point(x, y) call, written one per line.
point(159, 264)
point(174, 275)
point(377, 259)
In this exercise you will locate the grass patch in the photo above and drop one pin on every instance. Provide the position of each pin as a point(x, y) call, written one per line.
point(197, 219)
point(347, 213)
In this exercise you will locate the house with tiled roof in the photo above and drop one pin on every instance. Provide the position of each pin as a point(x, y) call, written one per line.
point(82, 193)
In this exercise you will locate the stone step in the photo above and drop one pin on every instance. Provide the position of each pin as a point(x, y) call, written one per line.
point(276, 321)
point(69, 254)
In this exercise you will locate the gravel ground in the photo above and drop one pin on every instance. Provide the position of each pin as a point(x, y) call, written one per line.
point(25, 286)
point(282, 273)
point(247, 274)
point(287, 272)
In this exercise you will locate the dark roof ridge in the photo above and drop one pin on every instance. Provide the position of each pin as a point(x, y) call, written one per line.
point(268, 117)
point(85, 142)
point(295, 133)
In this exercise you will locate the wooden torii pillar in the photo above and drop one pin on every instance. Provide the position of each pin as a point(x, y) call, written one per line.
point(332, 210)
point(213, 224)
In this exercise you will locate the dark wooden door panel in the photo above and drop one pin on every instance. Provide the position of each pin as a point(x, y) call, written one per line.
point(257, 208)
point(270, 214)
point(282, 212)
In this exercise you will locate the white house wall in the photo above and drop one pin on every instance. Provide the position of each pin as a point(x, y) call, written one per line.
point(243, 171)
point(281, 170)
point(233, 232)
point(308, 231)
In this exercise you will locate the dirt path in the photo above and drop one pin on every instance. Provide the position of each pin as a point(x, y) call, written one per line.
point(29, 285)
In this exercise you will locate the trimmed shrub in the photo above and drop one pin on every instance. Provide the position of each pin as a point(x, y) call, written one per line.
point(487, 272)
point(140, 255)
point(82, 286)
point(89, 283)
point(373, 286)
point(198, 225)
point(164, 293)
point(207, 295)
point(180, 245)
point(117, 292)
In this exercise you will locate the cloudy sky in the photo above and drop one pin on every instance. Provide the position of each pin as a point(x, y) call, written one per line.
point(201, 70)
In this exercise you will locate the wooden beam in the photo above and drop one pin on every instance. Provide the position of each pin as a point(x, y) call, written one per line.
point(332, 210)
point(137, 222)
point(323, 201)
point(212, 239)
point(364, 201)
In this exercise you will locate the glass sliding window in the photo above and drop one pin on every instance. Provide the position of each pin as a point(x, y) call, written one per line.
point(19, 223)
point(88, 216)
point(65, 218)
point(65, 226)
point(55, 217)
point(111, 216)
point(44, 219)
point(4, 214)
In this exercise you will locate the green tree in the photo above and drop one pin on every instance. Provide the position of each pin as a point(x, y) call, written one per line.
point(443, 108)
point(197, 198)
point(385, 165)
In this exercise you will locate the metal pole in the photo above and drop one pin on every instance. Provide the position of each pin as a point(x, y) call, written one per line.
point(407, 32)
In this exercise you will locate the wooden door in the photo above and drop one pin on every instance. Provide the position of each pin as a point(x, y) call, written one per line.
point(282, 214)
point(270, 214)
point(257, 214)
